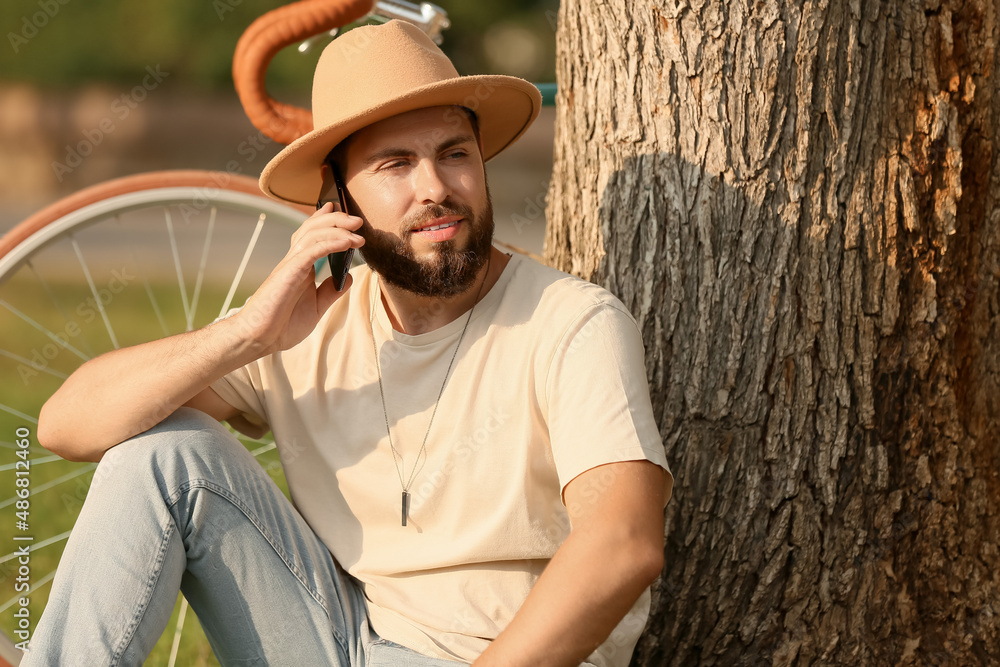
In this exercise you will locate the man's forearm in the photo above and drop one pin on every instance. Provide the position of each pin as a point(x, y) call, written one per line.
point(576, 603)
point(125, 392)
point(613, 553)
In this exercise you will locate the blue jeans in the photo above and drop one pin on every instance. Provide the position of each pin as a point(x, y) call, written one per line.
point(185, 507)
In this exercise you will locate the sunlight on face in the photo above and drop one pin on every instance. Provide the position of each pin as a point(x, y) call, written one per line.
point(418, 181)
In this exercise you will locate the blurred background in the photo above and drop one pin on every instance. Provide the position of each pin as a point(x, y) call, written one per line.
point(94, 90)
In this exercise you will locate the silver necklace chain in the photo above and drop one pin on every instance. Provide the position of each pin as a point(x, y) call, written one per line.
point(397, 458)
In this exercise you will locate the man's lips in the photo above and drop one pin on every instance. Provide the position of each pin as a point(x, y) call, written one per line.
point(439, 229)
point(438, 223)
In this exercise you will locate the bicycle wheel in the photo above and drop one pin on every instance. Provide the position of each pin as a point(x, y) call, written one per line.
point(118, 264)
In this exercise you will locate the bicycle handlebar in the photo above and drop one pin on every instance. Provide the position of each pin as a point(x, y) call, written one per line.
point(261, 42)
point(297, 22)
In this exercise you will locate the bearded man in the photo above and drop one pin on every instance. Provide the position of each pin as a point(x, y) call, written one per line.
point(475, 471)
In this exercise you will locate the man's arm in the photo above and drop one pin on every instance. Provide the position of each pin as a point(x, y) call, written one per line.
point(613, 553)
point(125, 392)
point(119, 394)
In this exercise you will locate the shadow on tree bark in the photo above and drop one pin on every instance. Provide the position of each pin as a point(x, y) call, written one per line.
point(837, 492)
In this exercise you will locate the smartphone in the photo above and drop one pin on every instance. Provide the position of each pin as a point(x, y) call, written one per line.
point(333, 190)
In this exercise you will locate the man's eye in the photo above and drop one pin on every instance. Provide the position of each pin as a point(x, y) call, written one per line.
point(456, 154)
point(394, 164)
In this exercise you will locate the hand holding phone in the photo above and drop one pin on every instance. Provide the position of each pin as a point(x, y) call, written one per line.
point(333, 191)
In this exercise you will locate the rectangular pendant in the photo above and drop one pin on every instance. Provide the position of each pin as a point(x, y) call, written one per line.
point(406, 506)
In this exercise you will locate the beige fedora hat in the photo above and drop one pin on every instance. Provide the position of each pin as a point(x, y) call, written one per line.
point(374, 72)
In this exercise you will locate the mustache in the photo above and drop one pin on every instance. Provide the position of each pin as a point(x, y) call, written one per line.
point(428, 213)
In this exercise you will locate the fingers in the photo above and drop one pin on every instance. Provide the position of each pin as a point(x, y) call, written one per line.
point(327, 216)
point(323, 233)
point(317, 243)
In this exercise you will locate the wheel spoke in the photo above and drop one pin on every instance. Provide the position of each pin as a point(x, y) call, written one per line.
point(11, 445)
point(93, 292)
point(18, 413)
point(145, 282)
point(56, 339)
point(201, 268)
point(55, 482)
point(243, 265)
point(52, 297)
point(32, 462)
point(28, 362)
point(177, 264)
point(263, 450)
point(156, 306)
point(177, 633)
point(38, 584)
point(36, 546)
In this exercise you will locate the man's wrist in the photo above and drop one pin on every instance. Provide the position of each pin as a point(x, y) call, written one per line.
point(237, 339)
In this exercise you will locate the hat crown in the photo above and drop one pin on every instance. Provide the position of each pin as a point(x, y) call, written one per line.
point(368, 65)
point(375, 72)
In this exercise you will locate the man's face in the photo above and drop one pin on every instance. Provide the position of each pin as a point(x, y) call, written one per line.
point(418, 181)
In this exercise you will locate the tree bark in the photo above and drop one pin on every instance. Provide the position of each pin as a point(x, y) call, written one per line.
point(797, 201)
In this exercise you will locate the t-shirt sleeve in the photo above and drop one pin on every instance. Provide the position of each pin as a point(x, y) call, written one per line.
point(598, 396)
point(243, 389)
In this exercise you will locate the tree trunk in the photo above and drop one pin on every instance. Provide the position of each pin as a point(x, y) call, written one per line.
point(797, 201)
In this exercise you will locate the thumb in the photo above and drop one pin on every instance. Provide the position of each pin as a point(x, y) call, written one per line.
point(326, 293)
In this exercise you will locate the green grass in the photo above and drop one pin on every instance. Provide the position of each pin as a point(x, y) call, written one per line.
point(26, 386)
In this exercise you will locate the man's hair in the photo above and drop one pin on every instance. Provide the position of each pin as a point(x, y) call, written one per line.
point(336, 157)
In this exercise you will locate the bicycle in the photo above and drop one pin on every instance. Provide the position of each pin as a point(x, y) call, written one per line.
point(182, 213)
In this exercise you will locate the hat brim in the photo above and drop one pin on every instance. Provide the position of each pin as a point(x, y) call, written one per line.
point(504, 106)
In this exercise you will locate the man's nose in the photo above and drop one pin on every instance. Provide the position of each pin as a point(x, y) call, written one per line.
point(429, 186)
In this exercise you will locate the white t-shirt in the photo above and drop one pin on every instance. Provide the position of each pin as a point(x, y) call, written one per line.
point(549, 382)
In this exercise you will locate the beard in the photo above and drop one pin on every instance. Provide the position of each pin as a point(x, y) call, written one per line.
point(450, 271)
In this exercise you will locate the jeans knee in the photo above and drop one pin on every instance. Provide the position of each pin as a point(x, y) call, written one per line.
point(184, 423)
point(178, 448)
